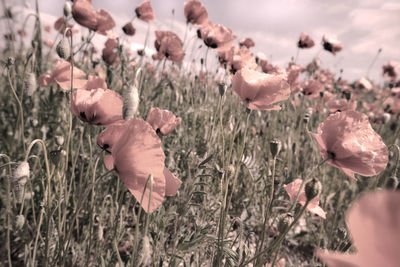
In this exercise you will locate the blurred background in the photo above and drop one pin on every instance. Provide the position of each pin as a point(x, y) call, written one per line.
point(363, 26)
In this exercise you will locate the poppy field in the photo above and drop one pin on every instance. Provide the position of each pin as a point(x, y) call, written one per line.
point(192, 150)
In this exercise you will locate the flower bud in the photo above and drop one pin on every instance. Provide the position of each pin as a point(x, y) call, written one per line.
point(63, 49)
point(19, 221)
point(59, 140)
point(30, 84)
point(307, 115)
point(284, 222)
point(385, 117)
point(67, 8)
point(221, 88)
point(275, 147)
point(10, 61)
point(19, 178)
point(313, 188)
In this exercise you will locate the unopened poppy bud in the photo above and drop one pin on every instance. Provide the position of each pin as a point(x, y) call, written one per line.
point(275, 147)
point(19, 178)
point(10, 61)
point(63, 49)
point(67, 8)
point(19, 221)
point(347, 95)
point(59, 140)
point(313, 188)
point(385, 117)
point(284, 222)
point(307, 115)
point(221, 88)
point(342, 233)
point(30, 84)
point(392, 182)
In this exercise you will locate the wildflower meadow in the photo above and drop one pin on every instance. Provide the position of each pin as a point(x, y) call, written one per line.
point(194, 149)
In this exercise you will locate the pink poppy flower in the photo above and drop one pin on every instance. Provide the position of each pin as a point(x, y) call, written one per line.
point(305, 41)
point(109, 52)
point(137, 154)
point(312, 88)
point(350, 143)
point(313, 206)
point(195, 12)
point(97, 106)
point(331, 43)
point(259, 90)
point(95, 82)
point(168, 45)
point(217, 36)
point(61, 74)
point(364, 84)
point(392, 105)
point(248, 42)
point(242, 57)
point(373, 222)
point(226, 56)
point(129, 29)
point(99, 21)
point(61, 24)
point(293, 73)
point(162, 120)
point(110, 135)
point(144, 11)
point(390, 69)
point(336, 105)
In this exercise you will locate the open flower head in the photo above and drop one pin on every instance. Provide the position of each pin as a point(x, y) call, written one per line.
point(97, 106)
point(61, 75)
point(313, 206)
point(259, 90)
point(350, 143)
point(217, 36)
point(331, 43)
point(305, 41)
point(162, 120)
point(168, 45)
point(195, 12)
point(145, 12)
point(373, 222)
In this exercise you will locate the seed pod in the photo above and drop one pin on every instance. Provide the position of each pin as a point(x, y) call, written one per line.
point(313, 189)
point(30, 84)
point(284, 222)
point(275, 147)
point(63, 49)
point(67, 8)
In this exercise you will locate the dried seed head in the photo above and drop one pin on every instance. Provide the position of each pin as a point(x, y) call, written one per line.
point(63, 49)
point(284, 222)
point(313, 189)
point(19, 221)
point(67, 8)
point(275, 147)
point(30, 84)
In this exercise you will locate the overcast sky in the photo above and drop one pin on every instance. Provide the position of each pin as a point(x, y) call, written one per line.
point(363, 26)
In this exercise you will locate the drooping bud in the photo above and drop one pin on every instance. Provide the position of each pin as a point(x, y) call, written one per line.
point(307, 115)
point(312, 189)
point(284, 222)
point(30, 84)
point(131, 99)
point(19, 178)
point(221, 88)
point(63, 49)
point(67, 8)
point(59, 140)
point(275, 147)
